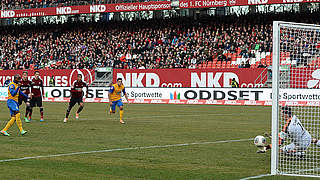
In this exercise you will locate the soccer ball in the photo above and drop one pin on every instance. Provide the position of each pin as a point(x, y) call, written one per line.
point(260, 141)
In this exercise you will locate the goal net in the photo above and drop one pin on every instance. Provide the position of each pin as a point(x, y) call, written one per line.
point(296, 99)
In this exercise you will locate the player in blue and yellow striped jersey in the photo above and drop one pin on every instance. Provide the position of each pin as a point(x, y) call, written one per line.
point(12, 102)
point(115, 98)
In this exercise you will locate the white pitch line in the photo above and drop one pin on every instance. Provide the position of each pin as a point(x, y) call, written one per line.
point(123, 149)
point(255, 177)
point(135, 117)
point(160, 116)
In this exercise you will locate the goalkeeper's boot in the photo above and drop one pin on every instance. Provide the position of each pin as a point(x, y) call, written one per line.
point(65, 120)
point(300, 155)
point(23, 132)
point(121, 121)
point(4, 133)
point(262, 150)
point(41, 120)
point(77, 116)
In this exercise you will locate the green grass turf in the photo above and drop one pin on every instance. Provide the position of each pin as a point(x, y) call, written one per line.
point(147, 125)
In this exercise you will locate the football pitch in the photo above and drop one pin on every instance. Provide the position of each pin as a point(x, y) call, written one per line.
point(157, 142)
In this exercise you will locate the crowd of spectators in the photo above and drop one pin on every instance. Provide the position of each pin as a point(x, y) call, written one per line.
point(28, 4)
point(143, 44)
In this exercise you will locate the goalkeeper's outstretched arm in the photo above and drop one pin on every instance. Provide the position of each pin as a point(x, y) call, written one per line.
point(286, 113)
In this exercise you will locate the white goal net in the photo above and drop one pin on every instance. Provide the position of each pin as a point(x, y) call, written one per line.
point(296, 99)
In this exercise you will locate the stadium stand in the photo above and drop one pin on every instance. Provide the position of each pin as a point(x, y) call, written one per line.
point(228, 41)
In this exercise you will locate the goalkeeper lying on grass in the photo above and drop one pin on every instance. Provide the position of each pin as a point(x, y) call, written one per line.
point(293, 130)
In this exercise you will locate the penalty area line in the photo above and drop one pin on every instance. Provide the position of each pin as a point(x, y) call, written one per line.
point(123, 149)
point(255, 177)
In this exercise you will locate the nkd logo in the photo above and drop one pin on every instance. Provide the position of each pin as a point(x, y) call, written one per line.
point(210, 79)
point(292, 1)
point(257, 1)
point(64, 10)
point(140, 79)
point(7, 14)
point(97, 8)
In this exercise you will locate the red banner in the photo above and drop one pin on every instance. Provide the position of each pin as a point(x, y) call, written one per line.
point(191, 77)
point(223, 3)
point(140, 6)
point(304, 78)
point(86, 9)
point(62, 77)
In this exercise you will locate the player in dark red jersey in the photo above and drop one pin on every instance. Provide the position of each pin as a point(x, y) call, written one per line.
point(37, 93)
point(25, 88)
point(76, 96)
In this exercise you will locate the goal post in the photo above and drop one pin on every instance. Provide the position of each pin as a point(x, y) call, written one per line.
point(295, 86)
point(275, 95)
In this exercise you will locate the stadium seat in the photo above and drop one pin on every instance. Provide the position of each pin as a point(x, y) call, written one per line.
point(223, 64)
point(268, 60)
point(214, 64)
point(228, 64)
